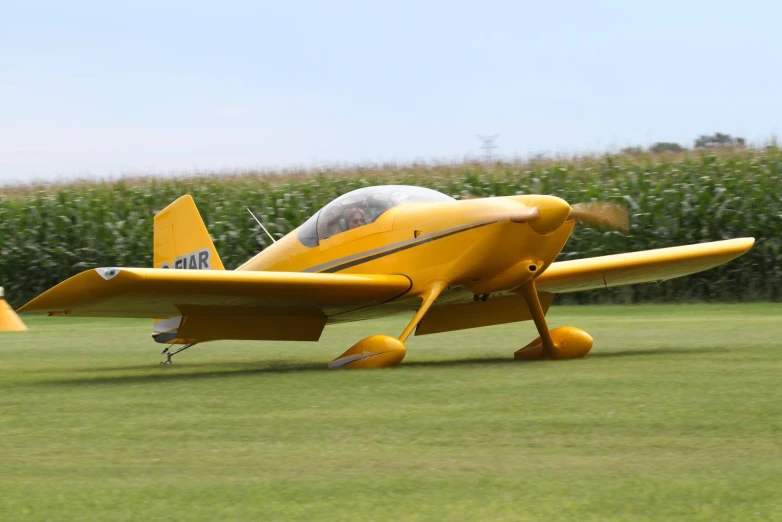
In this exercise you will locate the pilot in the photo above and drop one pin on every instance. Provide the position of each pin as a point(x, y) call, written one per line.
point(354, 218)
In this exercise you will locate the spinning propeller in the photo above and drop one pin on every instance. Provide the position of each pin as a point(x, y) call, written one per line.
point(611, 216)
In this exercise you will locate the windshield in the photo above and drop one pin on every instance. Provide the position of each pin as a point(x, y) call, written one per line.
point(361, 207)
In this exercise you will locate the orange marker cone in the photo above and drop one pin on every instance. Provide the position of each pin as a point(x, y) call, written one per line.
point(9, 321)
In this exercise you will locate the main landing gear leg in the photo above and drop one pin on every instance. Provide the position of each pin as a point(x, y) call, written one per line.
point(381, 351)
point(561, 343)
point(169, 354)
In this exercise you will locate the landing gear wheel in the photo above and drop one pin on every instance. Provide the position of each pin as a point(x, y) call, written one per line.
point(569, 343)
point(381, 351)
point(377, 351)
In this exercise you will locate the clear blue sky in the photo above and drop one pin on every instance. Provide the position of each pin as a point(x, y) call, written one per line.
point(103, 88)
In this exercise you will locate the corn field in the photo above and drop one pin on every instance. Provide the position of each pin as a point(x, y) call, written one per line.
point(51, 233)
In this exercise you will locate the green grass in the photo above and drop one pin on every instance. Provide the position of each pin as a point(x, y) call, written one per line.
point(675, 415)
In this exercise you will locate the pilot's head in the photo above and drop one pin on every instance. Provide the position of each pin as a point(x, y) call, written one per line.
point(354, 217)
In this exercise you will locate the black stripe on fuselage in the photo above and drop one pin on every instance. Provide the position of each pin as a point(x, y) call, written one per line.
point(428, 239)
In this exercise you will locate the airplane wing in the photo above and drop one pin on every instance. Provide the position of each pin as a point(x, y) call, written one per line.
point(648, 266)
point(213, 304)
point(161, 293)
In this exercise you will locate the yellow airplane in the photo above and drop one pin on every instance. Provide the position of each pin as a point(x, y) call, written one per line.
point(374, 252)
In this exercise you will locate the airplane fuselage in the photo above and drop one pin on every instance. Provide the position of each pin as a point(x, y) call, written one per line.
point(470, 244)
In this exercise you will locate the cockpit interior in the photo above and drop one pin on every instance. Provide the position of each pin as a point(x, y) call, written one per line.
point(361, 207)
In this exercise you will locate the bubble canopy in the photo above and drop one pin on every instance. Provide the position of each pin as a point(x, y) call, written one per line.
point(361, 207)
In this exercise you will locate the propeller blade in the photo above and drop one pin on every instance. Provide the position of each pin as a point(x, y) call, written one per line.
point(603, 215)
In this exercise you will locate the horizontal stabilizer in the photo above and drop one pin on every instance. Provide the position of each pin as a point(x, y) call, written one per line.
point(648, 266)
point(163, 293)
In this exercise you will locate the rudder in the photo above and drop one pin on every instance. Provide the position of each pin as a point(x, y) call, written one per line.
point(181, 239)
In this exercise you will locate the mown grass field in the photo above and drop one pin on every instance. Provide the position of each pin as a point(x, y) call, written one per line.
point(675, 415)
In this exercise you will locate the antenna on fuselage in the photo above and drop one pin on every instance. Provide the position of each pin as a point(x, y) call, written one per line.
point(261, 224)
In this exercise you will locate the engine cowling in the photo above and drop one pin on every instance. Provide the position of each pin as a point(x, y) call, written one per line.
point(513, 277)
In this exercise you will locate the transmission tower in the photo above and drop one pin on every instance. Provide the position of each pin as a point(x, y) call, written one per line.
point(488, 146)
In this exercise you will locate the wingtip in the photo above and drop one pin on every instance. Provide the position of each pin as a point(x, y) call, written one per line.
point(29, 306)
point(34, 307)
point(85, 287)
point(745, 243)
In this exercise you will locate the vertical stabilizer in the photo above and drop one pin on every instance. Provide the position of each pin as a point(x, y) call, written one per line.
point(181, 241)
point(9, 321)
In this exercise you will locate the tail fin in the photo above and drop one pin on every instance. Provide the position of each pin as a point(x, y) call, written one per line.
point(181, 241)
point(181, 238)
